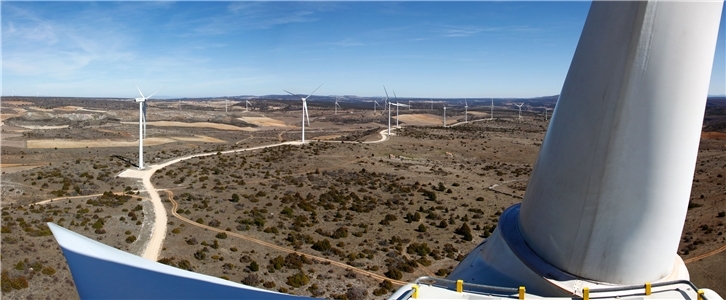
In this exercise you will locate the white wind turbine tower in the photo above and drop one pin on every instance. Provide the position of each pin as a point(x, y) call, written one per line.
point(247, 102)
point(520, 110)
point(397, 105)
point(336, 105)
point(389, 110)
point(409, 104)
point(444, 115)
point(304, 110)
point(546, 109)
point(466, 111)
point(142, 123)
point(491, 112)
point(375, 103)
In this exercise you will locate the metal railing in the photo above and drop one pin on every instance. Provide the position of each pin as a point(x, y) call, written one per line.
point(595, 293)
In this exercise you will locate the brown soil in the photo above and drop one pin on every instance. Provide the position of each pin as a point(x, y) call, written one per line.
point(292, 197)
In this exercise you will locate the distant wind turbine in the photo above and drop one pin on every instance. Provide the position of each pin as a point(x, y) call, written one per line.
point(142, 123)
point(375, 103)
point(546, 109)
point(466, 111)
point(444, 115)
point(225, 105)
point(491, 113)
point(336, 105)
point(247, 102)
point(304, 110)
point(389, 110)
point(397, 105)
point(520, 110)
point(409, 104)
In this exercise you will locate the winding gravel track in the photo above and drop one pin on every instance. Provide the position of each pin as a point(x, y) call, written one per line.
point(156, 241)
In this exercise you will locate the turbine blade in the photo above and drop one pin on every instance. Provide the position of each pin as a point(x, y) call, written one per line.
point(155, 93)
point(291, 93)
point(394, 96)
point(305, 111)
point(314, 91)
point(142, 94)
point(384, 89)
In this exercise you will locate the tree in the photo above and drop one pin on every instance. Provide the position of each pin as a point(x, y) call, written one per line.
point(443, 224)
point(235, 197)
point(465, 231)
point(421, 228)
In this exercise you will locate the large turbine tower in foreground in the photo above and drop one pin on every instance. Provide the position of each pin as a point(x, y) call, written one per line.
point(609, 192)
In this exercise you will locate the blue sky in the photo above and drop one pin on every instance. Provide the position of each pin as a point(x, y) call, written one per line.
point(210, 49)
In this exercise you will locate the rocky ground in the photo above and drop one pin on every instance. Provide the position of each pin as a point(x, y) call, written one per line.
point(409, 207)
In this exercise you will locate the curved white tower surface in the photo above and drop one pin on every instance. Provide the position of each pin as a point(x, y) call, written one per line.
point(608, 196)
point(103, 272)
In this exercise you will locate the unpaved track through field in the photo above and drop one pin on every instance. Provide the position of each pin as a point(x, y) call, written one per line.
point(707, 254)
point(158, 232)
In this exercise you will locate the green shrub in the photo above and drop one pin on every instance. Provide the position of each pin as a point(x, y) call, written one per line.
point(298, 280)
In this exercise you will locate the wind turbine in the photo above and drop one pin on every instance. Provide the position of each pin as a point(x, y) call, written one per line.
point(397, 105)
point(304, 110)
point(520, 110)
point(444, 115)
point(491, 113)
point(546, 109)
point(375, 103)
point(466, 111)
point(389, 111)
point(409, 104)
point(247, 102)
point(142, 123)
point(336, 105)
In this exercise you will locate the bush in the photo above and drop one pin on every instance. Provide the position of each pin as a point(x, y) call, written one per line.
point(251, 280)
point(322, 246)
point(130, 239)
point(420, 249)
point(48, 271)
point(356, 293)
point(298, 280)
point(277, 262)
point(393, 273)
point(380, 292)
point(465, 231)
point(221, 235)
point(341, 232)
point(254, 267)
point(185, 265)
